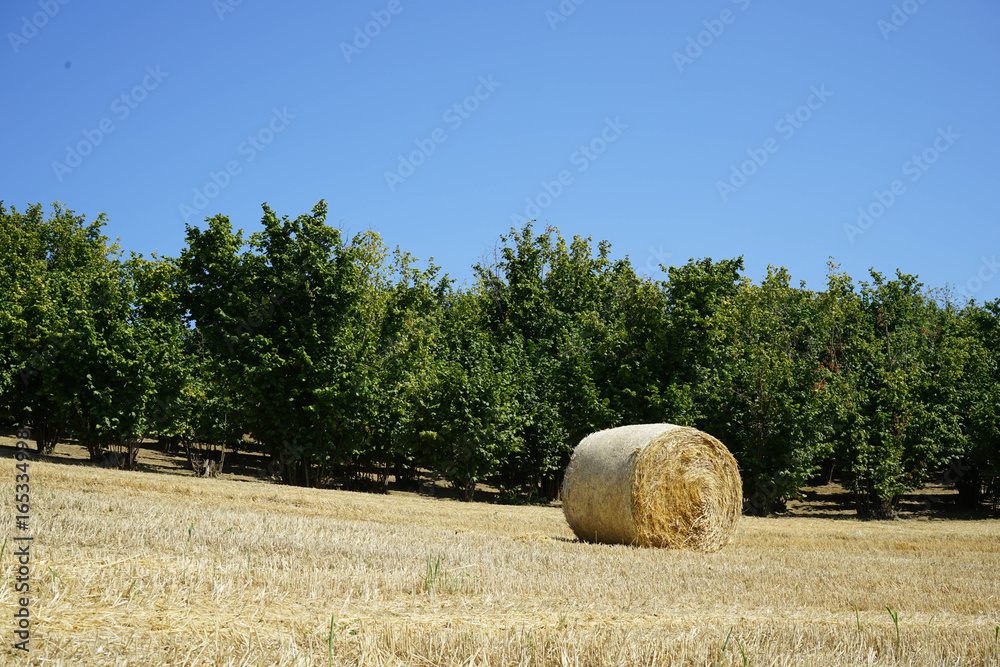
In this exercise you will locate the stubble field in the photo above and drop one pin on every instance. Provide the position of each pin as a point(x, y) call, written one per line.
point(139, 568)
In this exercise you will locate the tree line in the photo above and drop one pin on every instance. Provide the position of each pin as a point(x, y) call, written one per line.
point(345, 362)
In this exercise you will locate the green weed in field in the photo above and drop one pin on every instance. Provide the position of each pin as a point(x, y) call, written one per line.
point(895, 621)
point(329, 640)
point(433, 572)
point(724, 645)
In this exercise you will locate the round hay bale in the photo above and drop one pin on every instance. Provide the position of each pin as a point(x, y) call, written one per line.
point(656, 485)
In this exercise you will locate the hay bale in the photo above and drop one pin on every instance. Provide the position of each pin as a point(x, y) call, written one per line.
point(656, 485)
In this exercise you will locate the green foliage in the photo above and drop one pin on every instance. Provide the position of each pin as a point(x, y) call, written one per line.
point(347, 363)
point(287, 325)
point(469, 421)
point(79, 364)
point(545, 303)
point(901, 369)
point(407, 305)
point(979, 467)
point(767, 401)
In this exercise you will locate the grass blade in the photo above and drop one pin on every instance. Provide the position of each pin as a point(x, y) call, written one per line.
point(724, 645)
point(329, 639)
point(894, 615)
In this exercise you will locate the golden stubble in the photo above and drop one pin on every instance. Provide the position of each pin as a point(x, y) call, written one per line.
point(139, 568)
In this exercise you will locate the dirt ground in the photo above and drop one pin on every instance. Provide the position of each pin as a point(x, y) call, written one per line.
point(133, 568)
point(240, 466)
point(935, 501)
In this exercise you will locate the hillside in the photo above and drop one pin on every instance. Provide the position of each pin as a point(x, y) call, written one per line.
point(133, 568)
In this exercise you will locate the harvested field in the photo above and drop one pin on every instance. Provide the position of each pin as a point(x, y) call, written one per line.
point(141, 568)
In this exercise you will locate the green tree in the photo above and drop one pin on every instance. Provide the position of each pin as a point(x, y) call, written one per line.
point(472, 418)
point(542, 301)
point(24, 308)
point(216, 298)
point(769, 394)
point(408, 305)
point(81, 364)
point(630, 369)
point(291, 321)
point(690, 344)
point(979, 468)
point(897, 419)
point(181, 401)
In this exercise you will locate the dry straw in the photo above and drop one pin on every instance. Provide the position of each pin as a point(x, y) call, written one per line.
point(656, 485)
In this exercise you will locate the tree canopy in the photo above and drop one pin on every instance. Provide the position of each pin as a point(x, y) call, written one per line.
point(345, 362)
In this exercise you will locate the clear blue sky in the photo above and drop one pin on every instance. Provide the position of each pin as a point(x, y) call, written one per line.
point(300, 106)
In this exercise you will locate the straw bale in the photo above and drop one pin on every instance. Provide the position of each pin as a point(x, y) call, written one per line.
point(656, 485)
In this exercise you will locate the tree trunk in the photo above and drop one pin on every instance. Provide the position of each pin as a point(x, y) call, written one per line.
point(204, 461)
point(295, 473)
point(552, 486)
point(406, 475)
point(168, 443)
point(46, 436)
point(970, 489)
point(96, 450)
point(761, 500)
point(873, 507)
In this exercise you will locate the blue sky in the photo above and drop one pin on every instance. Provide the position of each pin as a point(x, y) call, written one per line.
point(714, 129)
